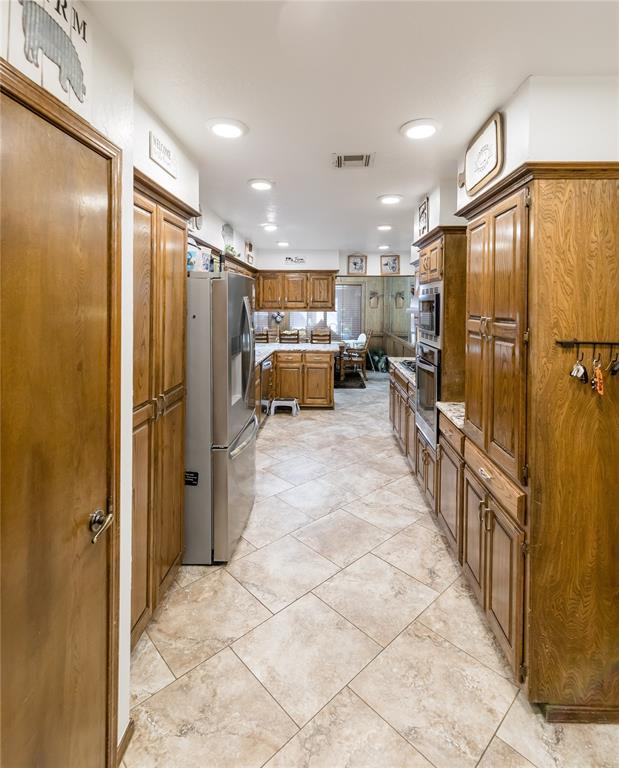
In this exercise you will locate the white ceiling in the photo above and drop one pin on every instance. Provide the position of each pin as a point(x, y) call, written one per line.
point(312, 78)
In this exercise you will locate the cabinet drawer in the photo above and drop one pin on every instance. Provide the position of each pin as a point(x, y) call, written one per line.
point(511, 498)
point(451, 433)
point(289, 357)
point(400, 380)
point(317, 357)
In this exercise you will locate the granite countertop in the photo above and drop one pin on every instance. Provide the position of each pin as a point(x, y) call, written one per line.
point(453, 411)
point(397, 363)
point(264, 350)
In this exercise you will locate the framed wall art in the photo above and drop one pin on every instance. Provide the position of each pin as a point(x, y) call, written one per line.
point(483, 159)
point(423, 217)
point(357, 264)
point(390, 265)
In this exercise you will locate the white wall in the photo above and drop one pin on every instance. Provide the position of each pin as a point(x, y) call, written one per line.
point(210, 231)
point(442, 202)
point(275, 259)
point(186, 185)
point(558, 119)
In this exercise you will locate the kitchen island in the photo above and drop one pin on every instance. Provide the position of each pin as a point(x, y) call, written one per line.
point(303, 371)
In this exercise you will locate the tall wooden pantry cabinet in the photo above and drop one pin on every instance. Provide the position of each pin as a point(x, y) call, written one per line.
point(541, 479)
point(159, 268)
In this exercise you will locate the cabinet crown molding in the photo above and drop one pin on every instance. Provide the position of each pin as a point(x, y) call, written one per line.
point(145, 185)
point(437, 232)
point(537, 170)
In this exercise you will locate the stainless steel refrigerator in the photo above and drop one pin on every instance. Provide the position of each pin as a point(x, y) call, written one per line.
point(220, 443)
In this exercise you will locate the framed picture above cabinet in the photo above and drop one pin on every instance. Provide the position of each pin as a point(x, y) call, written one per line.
point(483, 159)
point(390, 265)
point(357, 264)
point(423, 217)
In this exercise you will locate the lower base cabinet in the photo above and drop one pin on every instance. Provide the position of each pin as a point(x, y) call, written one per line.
point(449, 494)
point(410, 436)
point(426, 468)
point(306, 376)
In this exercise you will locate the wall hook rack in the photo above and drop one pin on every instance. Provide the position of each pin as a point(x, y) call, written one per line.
point(570, 343)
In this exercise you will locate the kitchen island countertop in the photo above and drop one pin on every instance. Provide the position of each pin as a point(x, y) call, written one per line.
point(265, 350)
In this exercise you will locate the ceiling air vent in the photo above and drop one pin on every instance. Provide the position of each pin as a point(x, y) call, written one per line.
point(352, 161)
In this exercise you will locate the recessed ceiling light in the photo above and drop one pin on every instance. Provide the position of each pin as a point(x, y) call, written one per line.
point(384, 227)
point(226, 128)
point(383, 247)
point(419, 129)
point(269, 227)
point(283, 244)
point(261, 185)
point(390, 199)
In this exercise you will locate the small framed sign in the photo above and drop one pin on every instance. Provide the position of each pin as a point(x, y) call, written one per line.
point(483, 159)
point(357, 264)
point(390, 265)
point(162, 154)
point(423, 217)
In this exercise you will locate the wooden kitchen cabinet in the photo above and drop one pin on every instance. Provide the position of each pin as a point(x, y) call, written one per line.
point(449, 494)
point(290, 380)
point(295, 290)
point(431, 262)
point(473, 540)
point(495, 369)
point(311, 290)
point(318, 380)
point(426, 468)
point(410, 436)
point(159, 307)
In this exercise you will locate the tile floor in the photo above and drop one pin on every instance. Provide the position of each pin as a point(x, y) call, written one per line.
point(341, 635)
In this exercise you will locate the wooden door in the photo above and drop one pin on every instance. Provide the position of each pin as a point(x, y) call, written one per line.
point(475, 391)
point(144, 256)
point(505, 582)
point(421, 460)
point(317, 382)
point(170, 483)
point(59, 291)
point(506, 359)
point(290, 380)
point(473, 534)
point(392, 403)
point(424, 266)
point(449, 494)
point(295, 290)
point(142, 521)
point(410, 437)
point(431, 477)
point(403, 421)
point(270, 290)
point(435, 260)
point(321, 291)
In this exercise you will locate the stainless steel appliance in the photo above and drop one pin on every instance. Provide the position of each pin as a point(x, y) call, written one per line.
point(428, 376)
point(429, 326)
point(221, 421)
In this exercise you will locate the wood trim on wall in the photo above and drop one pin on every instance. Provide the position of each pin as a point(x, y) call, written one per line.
point(35, 98)
point(239, 263)
point(537, 170)
point(436, 232)
point(124, 742)
point(146, 186)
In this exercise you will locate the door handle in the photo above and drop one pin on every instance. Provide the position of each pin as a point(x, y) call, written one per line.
point(234, 453)
point(99, 522)
point(481, 510)
point(487, 512)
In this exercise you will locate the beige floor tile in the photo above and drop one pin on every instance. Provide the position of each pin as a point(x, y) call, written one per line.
point(387, 461)
point(268, 484)
point(422, 554)
point(358, 479)
point(298, 471)
point(341, 537)
point(149, 672)
point(285, 449)
point(457, 617)
point(316, 498)
point(242, 548)
point(263, 461)
point(217, 715)
point(187, 574)
point(376, 597)
point(408, 488)
point(271, 519)
point(281, 572)
point(549, 745)
point(347, 734)
point(387, 510)
point(305, 655)
point(445, 703)
point(195, 622)
point(501, 755)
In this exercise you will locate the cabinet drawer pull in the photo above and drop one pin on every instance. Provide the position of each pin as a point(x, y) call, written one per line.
point(484, 474)
point(481, 510)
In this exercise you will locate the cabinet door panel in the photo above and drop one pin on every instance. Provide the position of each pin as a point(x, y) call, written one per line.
point(431, 479)
point(421, 460)
point(435, 256)
point(144, 245)
point(270, 294)
point(473, 538)
point(476, 268)
point(170, 299)
point(141, 561)
point(317, 384)
point(290, 380)
point(410, 438)
point(505, 587)
point(449, 496)
point(321, 292)
point(295, 290)
point(506, 367)
point(168, 535)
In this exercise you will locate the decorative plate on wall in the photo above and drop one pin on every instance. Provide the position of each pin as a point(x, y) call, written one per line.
point(484, 155)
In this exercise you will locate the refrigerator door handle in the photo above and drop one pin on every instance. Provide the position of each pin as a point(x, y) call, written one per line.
point(248, 388)
point(239, 449)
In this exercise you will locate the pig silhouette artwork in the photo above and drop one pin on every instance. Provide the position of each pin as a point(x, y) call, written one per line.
point(42, 33)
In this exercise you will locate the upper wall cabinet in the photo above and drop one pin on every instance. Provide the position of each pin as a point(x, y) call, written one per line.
point(296, 290)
